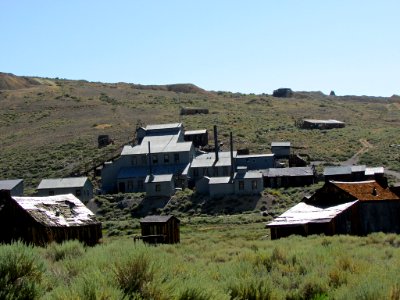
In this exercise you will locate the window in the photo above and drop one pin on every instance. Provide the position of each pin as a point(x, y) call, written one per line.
point(195, 172)
point(154, 159)
point(134, 161)
point(225, 171)
point(144, 160)
point(216, 172)
point(140, 184)
point(241, 185)
point(166, 158)
point(77, 193)
point(176, 157)
point(130, 185)
point(158, 187)
point(254, 184)
point(51, 193)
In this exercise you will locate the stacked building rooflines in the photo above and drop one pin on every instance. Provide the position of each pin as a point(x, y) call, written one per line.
point(161, 150)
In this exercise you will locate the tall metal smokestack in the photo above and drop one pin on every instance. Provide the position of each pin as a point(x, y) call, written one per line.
point(232, 162)
point(216, 143)
point(150, 168)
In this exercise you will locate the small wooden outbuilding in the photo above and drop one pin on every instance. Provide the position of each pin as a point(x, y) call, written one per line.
point(160, 229)
point(42, 220)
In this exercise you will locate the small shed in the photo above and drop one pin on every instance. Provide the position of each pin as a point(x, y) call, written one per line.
point(256, 161)
point(193, 110)
point(42, 220)
point(321, 124)
point(81, 187)
point(160, 229)
point(198, 137)
point(159, 185)
point(289, 177)
point(281, 149)
point(15, 186)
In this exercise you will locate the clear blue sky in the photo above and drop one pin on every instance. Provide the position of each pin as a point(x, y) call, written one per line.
point(349, 46)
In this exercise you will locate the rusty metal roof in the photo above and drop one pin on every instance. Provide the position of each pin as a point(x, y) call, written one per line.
point(57, 211)
point(366, 190)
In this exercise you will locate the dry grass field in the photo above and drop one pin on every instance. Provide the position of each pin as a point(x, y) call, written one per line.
point(49, 127)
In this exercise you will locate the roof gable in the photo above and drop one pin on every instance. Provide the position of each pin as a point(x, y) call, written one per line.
point(157, 219)
point(57, 211)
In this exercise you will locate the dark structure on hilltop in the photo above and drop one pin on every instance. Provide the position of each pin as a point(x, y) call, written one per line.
point(356, 208)
point(42, 220)
point(160, 229)
point(283, 93)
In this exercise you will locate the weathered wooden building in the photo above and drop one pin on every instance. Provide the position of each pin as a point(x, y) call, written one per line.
point(280, 149)
point(354, 173)
point(160, 229)
point(288, 177)
point(356, 208)
point(193, 110)
point(198, 137)
point(159, 185)
point(321, 124)
point(15, 186)
point(41, 220)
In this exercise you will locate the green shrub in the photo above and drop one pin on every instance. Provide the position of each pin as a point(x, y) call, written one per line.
point(21, 271)
point(134, 275)
point(68, 249)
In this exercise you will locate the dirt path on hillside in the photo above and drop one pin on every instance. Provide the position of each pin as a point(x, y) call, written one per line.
point(354, 159)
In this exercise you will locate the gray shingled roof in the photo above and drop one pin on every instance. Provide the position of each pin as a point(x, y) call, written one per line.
point(286, 172)
point(9, 184)
point(58, 183)
point(280, 144)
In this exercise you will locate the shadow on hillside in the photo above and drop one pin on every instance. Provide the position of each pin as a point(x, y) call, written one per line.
point(150, 206)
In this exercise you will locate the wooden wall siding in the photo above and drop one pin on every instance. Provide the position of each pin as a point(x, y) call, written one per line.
point(18, 224)
point(151, 232)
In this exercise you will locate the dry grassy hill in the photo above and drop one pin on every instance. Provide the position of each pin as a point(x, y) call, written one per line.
point(49, 127)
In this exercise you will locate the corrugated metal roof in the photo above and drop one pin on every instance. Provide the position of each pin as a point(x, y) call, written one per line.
point(219, 180)
point(192, 132)
point(57, 183)
point(375, 170)
point(303, 213)
point(157, 219)
point(366, 190)
point(288, 172)
point(58, 211)
point(330, 121)
point(158, 144)
point(360, 168)
point(159, 178)
point(163, 126)
point(9, 184)
point(248, 175)
point(340, 170)
point(280, 144)
point(207, 160)
point(249, 156)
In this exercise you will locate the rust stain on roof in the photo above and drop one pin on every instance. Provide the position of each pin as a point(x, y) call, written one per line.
point(366, 190)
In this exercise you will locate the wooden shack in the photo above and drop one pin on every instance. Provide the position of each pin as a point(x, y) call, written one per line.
point(41, 220)
point(198, 137)
point(160, 229)
point(193, 110)
point(355, 208)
